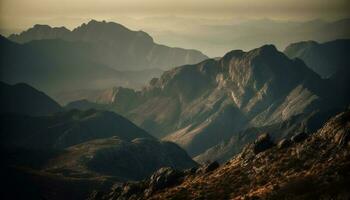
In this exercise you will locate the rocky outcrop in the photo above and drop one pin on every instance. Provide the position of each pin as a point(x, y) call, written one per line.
point(263, 143)
point(211, 167)
point(284, 143)
point(299, 137)
point(163, 178)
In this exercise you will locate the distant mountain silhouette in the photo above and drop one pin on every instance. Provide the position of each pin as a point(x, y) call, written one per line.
point(325, 58)
point(60, 67)
point(116, 46)
point(24, 99)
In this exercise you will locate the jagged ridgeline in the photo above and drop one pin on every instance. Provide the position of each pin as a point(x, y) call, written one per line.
point(213, 108)
point(114, 45)
point(69, 65)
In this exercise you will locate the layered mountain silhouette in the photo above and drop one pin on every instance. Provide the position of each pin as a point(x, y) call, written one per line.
point(42, 144)
point(262, 112)
point(24, 99)
point(116, 46)
point(200, 106)
point(53, 66)
point(122, 159)
point(308, 167)
point(70, 65)
point(326, 59)
point(65, 129)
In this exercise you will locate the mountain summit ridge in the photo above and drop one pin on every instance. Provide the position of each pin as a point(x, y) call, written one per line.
point(116, 46)
point(197, 106)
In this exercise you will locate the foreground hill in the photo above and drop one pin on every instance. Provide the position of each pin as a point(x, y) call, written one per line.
point(316, 167)
point(69, 154)
point(24, 99)
point(65, 129)
point(118, 158)
point(199, 106)
point(116, 46)
point(324, 58)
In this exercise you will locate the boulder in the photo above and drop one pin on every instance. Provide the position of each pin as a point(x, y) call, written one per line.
point(284, 143)
point(190, 171)
point(208, 167)
point(299, 137)
point(131, 188)
point(164, 177)
point(211, 166)
point(263, 143)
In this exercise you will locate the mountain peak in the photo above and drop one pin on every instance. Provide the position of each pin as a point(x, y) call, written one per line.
point(41, 26)
point(233, 53)
point(265, 51)
point(45, 27)
point(40, 32)
point(98, 24)
point(268, 49)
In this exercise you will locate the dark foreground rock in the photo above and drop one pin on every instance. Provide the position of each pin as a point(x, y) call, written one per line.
point(263, 143)
point(299, 137)
point(284, 143)
point(164, 177)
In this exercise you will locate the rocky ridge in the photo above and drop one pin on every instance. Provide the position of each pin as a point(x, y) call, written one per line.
point(310, 167)
point(199, 106)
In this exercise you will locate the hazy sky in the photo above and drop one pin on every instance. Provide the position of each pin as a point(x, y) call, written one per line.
point(161, 16)
point(23, 13)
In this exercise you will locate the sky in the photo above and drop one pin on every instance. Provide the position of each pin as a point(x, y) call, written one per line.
point(161, 17)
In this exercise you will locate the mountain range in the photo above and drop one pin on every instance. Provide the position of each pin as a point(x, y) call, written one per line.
point(326, 59)
point(69, 65)
point(115, 46)
point(202, 107)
